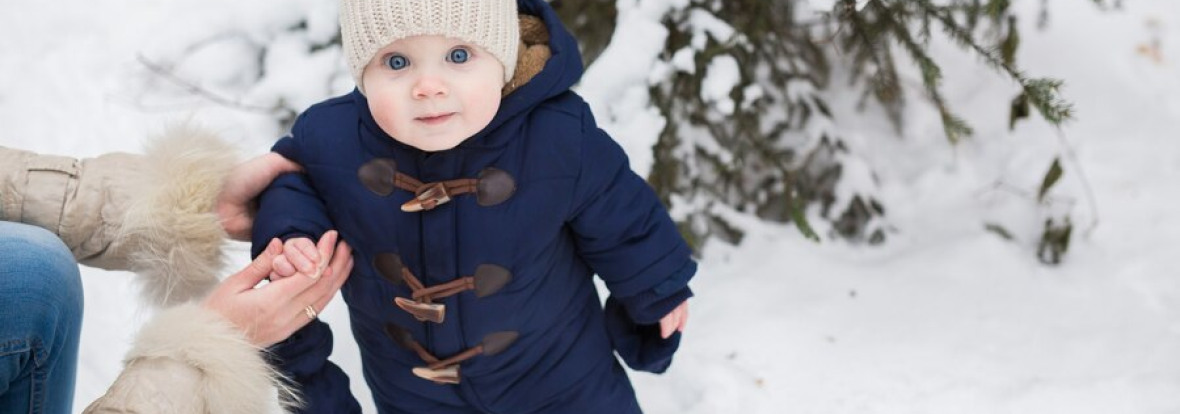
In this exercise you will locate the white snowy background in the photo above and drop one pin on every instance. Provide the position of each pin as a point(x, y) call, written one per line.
point(943, 318)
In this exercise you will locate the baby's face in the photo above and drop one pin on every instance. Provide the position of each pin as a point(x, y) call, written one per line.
point(433, 92)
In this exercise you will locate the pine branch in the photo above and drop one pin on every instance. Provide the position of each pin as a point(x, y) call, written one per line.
point(954, 127)
point(884, 81)
point(1042, 93)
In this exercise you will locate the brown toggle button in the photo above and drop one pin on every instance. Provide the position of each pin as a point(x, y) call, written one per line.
point(378, 175)
point(432, 197)
point(490, 279)
point(444, 375)
point(494, 187)
point(400, 336)
point(447, 371)
point(433, 312)
point(497, 342)
point(390, 266)
point(491, 188)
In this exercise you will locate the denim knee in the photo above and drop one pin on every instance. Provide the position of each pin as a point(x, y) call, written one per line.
point(39, 278)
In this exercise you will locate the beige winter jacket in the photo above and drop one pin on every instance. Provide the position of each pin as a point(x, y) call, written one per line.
point(151, 214)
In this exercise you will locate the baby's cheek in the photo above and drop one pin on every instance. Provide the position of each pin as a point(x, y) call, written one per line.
point(386, 119)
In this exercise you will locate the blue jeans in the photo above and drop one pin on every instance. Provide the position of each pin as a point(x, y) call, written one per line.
point(40, 321)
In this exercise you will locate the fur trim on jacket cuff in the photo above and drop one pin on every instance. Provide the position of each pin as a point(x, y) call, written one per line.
point(175, 237)
point(234, 376)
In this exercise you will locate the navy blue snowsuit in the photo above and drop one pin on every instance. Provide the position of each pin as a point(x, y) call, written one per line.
point(540, 201)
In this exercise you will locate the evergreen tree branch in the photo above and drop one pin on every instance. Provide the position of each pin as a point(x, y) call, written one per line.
point(954, 127)
point(1042, 92)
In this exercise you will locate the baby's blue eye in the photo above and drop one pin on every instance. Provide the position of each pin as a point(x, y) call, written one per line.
point(458, 55)
point(397, 62)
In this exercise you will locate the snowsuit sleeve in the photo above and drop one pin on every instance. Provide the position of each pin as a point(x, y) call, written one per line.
point(626, 235)
point(291, 208)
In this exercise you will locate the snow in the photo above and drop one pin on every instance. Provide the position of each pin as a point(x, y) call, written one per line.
point(722, 75)
point(825, 6)
point(706, 22)
point(616, 85)
point(945, 317)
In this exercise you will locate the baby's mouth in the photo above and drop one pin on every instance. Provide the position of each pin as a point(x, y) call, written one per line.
point(435, 118)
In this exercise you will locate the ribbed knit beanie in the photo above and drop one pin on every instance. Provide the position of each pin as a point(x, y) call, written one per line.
point(366, 26)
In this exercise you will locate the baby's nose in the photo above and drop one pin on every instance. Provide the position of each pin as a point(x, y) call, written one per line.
point(427, 87)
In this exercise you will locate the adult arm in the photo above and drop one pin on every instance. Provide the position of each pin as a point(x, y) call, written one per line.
point(208, 357)
point(163, 214)
point(152, 213)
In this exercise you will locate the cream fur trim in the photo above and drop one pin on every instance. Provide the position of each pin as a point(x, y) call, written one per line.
point(174, 236)
point(235, 378)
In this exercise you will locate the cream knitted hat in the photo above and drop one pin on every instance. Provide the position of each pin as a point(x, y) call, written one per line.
point(366, 26)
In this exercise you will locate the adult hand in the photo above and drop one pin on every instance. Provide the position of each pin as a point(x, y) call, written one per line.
point(270, 313)
point(674, 321)
point(235, 205)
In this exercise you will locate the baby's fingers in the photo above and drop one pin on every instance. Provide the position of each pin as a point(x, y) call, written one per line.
point(667, 326)
point(301, 252)
point(683, 318)
point(283, 267)
point(674, 321)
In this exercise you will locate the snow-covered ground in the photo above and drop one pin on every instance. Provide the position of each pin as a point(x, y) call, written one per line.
point(946, 317)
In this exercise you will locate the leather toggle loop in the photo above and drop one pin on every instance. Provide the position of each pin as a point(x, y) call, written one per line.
point(488, 279)
point(380, 176)
point(447, 371)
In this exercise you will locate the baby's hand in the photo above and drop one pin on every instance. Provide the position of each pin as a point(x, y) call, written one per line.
point(300, 255)
point(674, 321)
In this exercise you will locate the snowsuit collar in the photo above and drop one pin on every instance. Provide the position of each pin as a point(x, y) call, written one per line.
point(561, 72)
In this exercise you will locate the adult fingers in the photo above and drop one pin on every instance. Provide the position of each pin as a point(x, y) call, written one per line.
point(234, 202)
point(324, 250)
point(257, 270)
point(288, 289)
point(334, 277)
point(337, 283)
point(292, 296)
point(300, 316)
point(281, 313)
point(281, 164)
